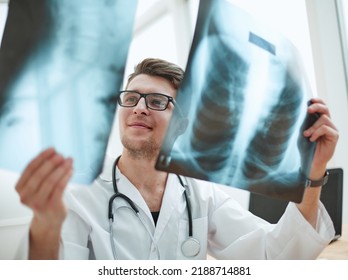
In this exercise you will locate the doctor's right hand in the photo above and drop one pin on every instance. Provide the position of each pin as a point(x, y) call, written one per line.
point(41, 188)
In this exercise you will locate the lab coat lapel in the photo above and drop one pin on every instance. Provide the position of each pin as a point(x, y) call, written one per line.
point(127, 188)
point(172, 202)
point(172, 199)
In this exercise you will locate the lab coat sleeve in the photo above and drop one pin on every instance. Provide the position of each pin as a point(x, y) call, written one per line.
point(74, 239)
point(75, 231)
point(22, 252)
point(85, 233)
point(301, 240)
point(68, 249)
point(235, 233)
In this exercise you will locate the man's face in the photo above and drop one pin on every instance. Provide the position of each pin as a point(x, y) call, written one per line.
point(142, 130)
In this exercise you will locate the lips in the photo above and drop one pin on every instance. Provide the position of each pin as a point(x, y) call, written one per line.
point(139, 124)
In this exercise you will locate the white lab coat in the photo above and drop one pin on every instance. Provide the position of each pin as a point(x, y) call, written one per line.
point(224, 229)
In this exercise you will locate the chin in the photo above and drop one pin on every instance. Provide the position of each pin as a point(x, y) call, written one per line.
point(147, 146)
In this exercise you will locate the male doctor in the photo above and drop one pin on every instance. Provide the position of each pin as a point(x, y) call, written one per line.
point(72, 223)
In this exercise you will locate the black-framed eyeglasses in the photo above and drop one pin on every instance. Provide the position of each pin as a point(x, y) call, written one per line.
point(153, 101)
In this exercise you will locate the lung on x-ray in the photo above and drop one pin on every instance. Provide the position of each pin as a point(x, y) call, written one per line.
point(61, 67)
point(243, 102)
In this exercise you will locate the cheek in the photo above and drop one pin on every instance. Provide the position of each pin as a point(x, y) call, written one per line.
point(121, 119)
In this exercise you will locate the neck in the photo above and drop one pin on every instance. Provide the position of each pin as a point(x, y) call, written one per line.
point(142, 174)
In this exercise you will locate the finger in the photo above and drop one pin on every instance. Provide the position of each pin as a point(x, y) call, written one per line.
point(323, 120)
point(50, 183)
point(329, 133)
point(317, 100)
point(58, 191)
point(33, 165)
point(33, 184)
point(319, 107)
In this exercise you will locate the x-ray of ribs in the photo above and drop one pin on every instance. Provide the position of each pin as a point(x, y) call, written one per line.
point(220, 107)
point(61, 66)
point(268, 146)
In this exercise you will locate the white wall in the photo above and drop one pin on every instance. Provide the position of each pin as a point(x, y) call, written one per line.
point(14, 217)
point(331, 77)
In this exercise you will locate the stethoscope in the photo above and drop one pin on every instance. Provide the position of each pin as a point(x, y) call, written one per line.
point(190, 247)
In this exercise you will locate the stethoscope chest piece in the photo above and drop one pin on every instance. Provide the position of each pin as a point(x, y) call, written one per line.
point(190, 247)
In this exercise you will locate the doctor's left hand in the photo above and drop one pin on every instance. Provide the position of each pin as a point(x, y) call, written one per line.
point(325, 134)
point(41, 188)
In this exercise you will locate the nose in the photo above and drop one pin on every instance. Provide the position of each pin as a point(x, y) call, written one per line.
point(141, 107)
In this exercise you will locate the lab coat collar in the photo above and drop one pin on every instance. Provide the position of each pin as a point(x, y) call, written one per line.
point(171, 202)
point(172, 195)
point(106, 173)
point(123, 184)
point(127, 188)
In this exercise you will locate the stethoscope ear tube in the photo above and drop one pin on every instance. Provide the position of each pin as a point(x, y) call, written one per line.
point(188, 206)
point(189, 213)
point(126, 198)
point(190, 247)
point(118, 194)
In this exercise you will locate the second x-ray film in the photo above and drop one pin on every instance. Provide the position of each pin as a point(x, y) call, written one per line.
point(61, 67)
point(243, 103)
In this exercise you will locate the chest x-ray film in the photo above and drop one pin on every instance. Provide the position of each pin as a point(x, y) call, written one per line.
point(244, 102)
point(61, 67)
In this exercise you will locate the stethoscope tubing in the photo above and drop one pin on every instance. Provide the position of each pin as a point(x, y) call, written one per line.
point(188, 205)
point(117, 194)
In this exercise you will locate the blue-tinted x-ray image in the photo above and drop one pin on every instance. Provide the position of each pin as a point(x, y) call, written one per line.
point(61, 67)
point(244, 104)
